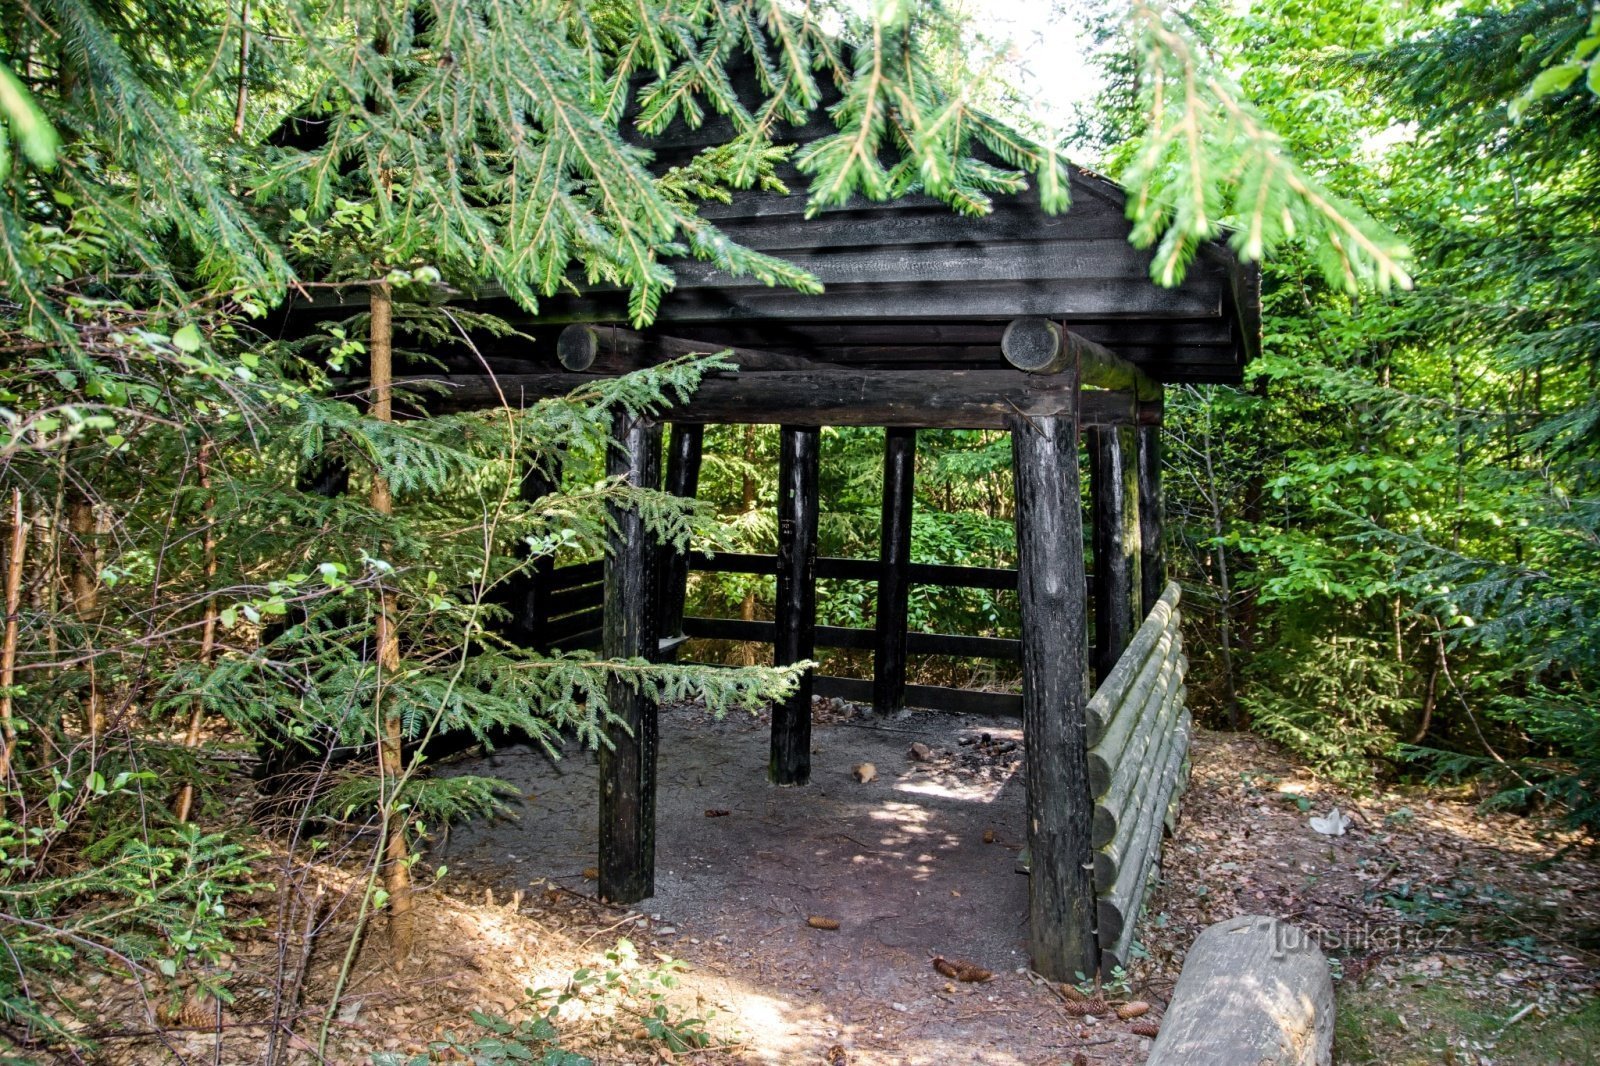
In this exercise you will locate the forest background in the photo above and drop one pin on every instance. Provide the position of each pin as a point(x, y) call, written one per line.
point(1389, 536)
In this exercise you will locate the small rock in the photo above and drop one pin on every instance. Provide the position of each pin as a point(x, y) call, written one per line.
point(865, 772)
point(920, 752)
point(901, 1007)
point(667, 930)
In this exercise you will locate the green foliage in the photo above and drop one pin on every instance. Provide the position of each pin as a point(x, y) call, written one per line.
point(1390, 531)
point(1334, 701)
point(1206, 159)
point(149, 902)
point(632, 989)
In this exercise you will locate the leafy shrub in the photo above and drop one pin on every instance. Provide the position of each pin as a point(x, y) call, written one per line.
point(1332, 700)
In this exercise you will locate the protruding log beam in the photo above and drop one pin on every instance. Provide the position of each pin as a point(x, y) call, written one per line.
point(796, 637)
point(1061, 901)
point(1114, 493)
point(1041, 346)
point(894, 570)
point(828, 395)
point(1152, 518)
point(683, 480)
point(614, 350)
point(628, 760)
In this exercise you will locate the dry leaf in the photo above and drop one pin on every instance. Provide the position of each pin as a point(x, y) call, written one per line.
point(1146, 1027)
point(1132, 1009)
point(713, 812)
point(865, 772)
point(816, 921)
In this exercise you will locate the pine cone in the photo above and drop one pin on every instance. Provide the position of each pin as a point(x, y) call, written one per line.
point(1145, 1027)
point(1133, 1009)
point(1086, 1007)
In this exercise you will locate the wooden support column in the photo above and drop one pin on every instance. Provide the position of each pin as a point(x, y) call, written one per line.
point(1050, 591)
point(1114, 493)
point(628, 762)
point(683, 479)
point(796, 637)
point(530, 626)
point(1152, 516)
point(894, 570)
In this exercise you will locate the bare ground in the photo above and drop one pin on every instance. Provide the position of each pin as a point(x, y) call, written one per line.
point(1424, 892)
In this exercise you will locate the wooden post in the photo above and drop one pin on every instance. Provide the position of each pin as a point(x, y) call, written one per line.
point(1050, 592)
point(683, 479)
point(1114, 492)
point(628, 760)
point(796, 637)
point(1152, 515)
point(531, 624)
point(894, 570)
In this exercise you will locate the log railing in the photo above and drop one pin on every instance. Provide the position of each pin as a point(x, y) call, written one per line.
point(1139, 735)
point(566, 612)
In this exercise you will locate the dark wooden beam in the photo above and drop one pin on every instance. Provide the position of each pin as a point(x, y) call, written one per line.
point(628, 759)
point(943, 399)
point(930, 697)
point(1061, 900)
point(834, 568)
point(796, 637)
point(894, 570)
point(1041, 346)
point(614, 350)
point(683, 480)
point(759, 631)
point(1152, 518)
point(1114, 495)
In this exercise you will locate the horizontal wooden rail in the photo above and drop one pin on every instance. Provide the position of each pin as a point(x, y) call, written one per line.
point(1139, 733)
point(839, 569)
point(762, 632)
point(575, 574)
point(928, 697)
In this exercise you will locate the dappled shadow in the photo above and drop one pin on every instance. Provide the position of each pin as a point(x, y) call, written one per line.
point(916, 862)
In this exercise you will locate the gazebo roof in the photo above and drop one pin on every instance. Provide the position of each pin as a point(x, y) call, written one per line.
point(910, 285)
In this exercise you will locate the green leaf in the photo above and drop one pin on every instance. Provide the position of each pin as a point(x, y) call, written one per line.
point(188, 339)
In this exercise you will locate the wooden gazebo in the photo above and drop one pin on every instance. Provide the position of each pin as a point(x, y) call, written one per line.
point(1046, 326)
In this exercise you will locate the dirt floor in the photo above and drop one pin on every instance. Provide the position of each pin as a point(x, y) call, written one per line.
point(1454, 937)
point(916, 862)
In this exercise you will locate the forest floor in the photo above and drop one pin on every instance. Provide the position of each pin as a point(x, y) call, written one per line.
point(1452, 941)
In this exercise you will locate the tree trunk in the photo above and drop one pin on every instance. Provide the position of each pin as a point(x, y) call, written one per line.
point(208, 629)
point(1224, 586)
point(82, 525)
point(391, 768)
point(8, 652)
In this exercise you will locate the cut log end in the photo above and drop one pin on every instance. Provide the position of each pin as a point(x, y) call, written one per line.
point(1255, 991)
point(577, 347)
point(1031, 344)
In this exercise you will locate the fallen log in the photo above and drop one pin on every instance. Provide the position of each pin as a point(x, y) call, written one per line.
point(1254, 991)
